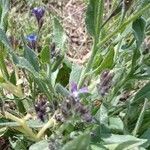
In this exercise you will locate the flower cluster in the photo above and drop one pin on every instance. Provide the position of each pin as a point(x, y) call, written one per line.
point(105, 82)
point(72, 107)
point(41, 108)
point(75, 92)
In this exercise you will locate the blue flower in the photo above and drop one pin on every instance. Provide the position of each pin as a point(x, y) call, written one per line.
point(31, 38)
point(32, 41)
point(38, 12)
point(75, 91)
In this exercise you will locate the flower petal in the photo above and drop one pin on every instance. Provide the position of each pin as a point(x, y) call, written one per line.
point(31, 38)
point(38, 12)
point(83, 90)
point(73, 87)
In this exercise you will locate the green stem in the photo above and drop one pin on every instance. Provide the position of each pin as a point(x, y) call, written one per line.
point(3, 66)
point(140, 119)
point(99, 20)
point(89, 64)
point(120, 42)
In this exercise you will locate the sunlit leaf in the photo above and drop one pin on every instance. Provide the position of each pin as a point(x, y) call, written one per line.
point(79, 143)
point(59, 34)
point(42, 145)
point(142, 94)
point(139, 30)
point(31, 57)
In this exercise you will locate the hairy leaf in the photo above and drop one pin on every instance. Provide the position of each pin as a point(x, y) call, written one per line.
point(59, 34)
point(139, 30)
point(142, 94)
point(79, 143)
point(31, 57)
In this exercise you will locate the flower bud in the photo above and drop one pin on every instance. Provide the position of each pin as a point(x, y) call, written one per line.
point(32, 41)
point(38, 12)
point(105, 83)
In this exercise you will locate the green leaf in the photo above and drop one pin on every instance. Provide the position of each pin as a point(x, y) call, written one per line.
point(146, 135)
point(42, 145)
point(115, 123)
point(142, 94)
point(97, 60)
point(2, 131)
point(93, 15)
point(31, 57)
point(9, 124)
point(31, 123)
point(54, 77)
point(59, 34)
point(4, 4)
point(61, 90)
point(129, 145)
point(79, 143)
point(13, 78)
point(98, 147)
point(45, 55)
point(102, 115)
point(107, 62)
point(122, 142)
point(143, 3)
point(75, 74)
point(116, 138)
point(57, 63)
point(23, 63)
point(4, 40)
point(19, 145)
point(16, 90)
point(139, 30)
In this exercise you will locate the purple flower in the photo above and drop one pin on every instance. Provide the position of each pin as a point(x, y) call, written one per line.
point(105, 82)
point(40, 108)
point(32, 39)
point(38, 12)
point(75, 91)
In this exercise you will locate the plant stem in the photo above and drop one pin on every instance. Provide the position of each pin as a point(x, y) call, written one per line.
point(3, 66)
point(89, 64)
point(123, 13)
point(12, 117)
point(98, 23)
point(140, 119)
point(49, 124)
point(23, 124)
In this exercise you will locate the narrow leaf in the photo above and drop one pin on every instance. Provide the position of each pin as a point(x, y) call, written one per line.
point(79, 143)
point(75, 74)
point(59, 34)
point(31, 57)
point(107, 62)
point(142, 94)
point(139, 30)
point(42, 145)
